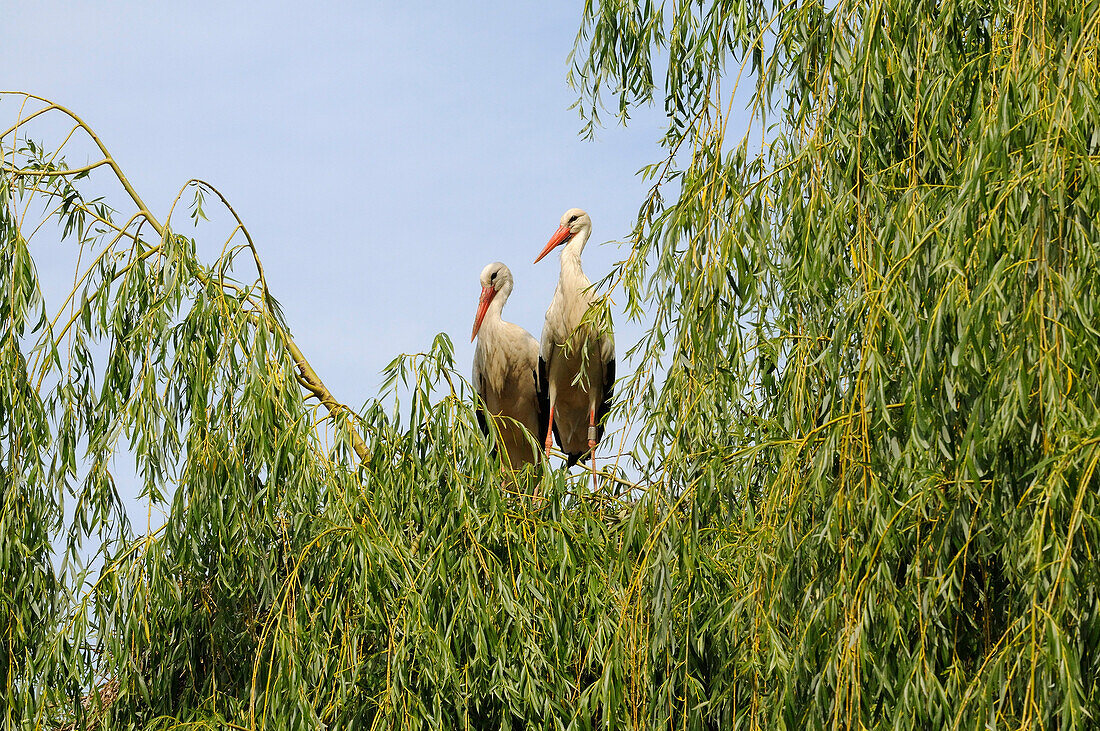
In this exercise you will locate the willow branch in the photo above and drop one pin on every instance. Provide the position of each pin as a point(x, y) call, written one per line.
point(312, 381)
point(52, 173)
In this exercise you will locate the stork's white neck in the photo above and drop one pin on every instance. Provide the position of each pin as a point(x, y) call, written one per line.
point(496, 308)
point(571, 253)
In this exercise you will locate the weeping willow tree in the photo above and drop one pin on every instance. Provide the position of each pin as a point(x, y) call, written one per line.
point(878, 314)
point(864, 406)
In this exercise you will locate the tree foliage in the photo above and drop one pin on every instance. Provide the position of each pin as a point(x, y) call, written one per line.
point(868, 496)
point(879, 321)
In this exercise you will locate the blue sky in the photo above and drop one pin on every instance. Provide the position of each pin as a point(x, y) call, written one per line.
point(380, 153)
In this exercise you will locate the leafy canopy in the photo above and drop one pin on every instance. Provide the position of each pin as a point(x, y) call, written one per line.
point(868, 487)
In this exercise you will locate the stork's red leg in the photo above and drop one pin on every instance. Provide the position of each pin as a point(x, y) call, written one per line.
point(592, 444)
point(550, 431)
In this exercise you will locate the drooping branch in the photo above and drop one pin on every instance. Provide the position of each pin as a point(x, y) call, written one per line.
point(307, 376)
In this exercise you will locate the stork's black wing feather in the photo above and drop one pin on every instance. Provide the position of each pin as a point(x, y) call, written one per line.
point(608, 397)
point(482, 421)
point(479, 409)
point(542, 392)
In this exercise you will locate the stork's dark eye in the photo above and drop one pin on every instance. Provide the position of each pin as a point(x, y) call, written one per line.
point(493, 277)
point(574, 218)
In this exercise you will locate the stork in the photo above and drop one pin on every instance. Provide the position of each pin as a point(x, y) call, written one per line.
point(506, 374)
point(576, 361)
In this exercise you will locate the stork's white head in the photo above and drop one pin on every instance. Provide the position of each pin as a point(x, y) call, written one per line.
point(496, 279)
point(573, 222)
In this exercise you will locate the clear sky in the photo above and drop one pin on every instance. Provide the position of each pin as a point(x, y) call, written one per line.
point(380, 153)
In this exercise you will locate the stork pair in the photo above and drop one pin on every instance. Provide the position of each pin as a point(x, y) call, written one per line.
point(561, 388)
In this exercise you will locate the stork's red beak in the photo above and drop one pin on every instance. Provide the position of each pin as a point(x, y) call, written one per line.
point(560, 236)
point(487, 294)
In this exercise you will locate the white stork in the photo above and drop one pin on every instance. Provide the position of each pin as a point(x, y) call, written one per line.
point(506, 374)
point(578, 405)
